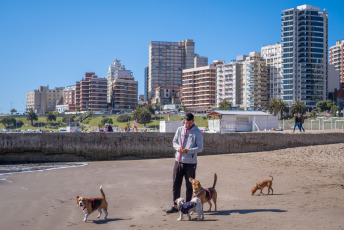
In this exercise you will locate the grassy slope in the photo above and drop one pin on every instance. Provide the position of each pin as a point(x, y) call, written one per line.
point(95, 121)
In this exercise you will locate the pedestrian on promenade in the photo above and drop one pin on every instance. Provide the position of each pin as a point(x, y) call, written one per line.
point(301, 121)
point(187, 141)
point(108, 128)
point(297, 122)
point(135, 125)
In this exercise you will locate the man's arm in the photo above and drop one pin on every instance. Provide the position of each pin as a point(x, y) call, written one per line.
point(176, 143)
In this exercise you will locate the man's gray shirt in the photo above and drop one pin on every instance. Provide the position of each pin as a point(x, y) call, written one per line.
point(193, 143)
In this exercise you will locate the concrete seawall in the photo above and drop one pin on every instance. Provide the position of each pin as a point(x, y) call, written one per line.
point(53, 147)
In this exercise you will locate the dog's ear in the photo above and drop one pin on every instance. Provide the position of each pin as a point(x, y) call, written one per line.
point(190, 179)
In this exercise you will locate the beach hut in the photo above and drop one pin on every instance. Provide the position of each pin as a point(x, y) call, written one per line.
point(241, 121)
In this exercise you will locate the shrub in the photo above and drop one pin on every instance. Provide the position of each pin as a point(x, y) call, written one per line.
point(123, 118)
point(106, 120)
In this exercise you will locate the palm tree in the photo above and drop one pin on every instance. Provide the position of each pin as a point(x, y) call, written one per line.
point(13, 111)
point(32, 116)
point(225, 105)
point(273, 106)
point(298, 107)
point(281, 107)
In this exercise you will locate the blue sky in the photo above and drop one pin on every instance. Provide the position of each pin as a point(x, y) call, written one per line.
point(55, 42)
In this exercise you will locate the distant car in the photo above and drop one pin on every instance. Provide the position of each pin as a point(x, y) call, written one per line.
point(62, 130)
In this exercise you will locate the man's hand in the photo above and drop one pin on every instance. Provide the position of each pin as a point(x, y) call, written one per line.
point(181, 150)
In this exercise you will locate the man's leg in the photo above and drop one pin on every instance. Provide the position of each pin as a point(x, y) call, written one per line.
point(177, 180)
point(190, 171)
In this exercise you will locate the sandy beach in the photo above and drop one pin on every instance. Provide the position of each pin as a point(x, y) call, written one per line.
point(307, 193)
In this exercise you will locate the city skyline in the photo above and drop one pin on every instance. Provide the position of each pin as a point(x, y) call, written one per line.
point(55, 44)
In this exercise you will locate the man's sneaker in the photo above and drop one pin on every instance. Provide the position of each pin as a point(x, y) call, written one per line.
point(171, 210)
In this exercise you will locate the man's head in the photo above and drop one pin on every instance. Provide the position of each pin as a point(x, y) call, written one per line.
point(189, 120)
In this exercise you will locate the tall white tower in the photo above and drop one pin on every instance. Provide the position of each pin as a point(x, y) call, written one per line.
point(304, 55)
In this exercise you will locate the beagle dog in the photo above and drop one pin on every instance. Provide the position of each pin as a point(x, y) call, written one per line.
point(89, 205)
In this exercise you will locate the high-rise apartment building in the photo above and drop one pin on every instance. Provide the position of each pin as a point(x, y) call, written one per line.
point(254, 83)
point(124, 93)
point(166, 62)
point(115, 70)
point(43, 99)
point(273, 57)
point(199, 88)
point(337, 59)
point(91, 93)
point(304, 55)
point(228, 83)
point(200, 61)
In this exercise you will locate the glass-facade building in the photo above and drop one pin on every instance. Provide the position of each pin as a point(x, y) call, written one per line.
point(304, 55)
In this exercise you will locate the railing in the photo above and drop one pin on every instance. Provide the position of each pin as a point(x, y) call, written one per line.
point(319, 123)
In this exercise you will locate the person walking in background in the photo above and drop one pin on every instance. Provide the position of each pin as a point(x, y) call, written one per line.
point(297, 122)
point(301, 121)
point(187, 141)
point(135, 125)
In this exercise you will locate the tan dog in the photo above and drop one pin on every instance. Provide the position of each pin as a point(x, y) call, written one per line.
point(89, 205)
point(260, 185)
point(205, 195)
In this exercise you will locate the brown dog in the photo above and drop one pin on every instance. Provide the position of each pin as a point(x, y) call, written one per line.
point(89, 205)
point(205, 195)
point(261, 184)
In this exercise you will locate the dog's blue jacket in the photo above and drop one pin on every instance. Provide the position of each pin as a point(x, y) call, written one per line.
point(187, 206)
point(193, 143)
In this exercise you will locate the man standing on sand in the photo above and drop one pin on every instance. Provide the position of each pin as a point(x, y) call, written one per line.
point(188, 141)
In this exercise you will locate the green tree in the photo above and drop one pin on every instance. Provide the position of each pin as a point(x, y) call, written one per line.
point(158, 106)
point(298, 107)
point(78, 109)
point(142, 115)
point(8, 121)
point(68, 119)
point(123, 118)
point(51, 116)
point(335, 109)
point(225, 105)
point(313, 114)
point(324, 105)
point(149, 108)
point(32, 116)
point(13, 111)
point(106, 120)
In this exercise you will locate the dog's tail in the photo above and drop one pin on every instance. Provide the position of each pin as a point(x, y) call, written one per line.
point(101, 190)
point(215, 179)
point(272, 178)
